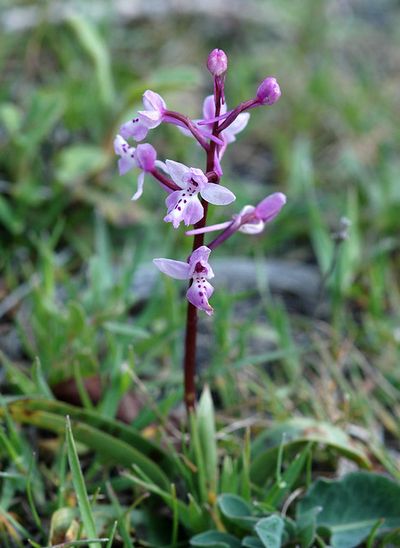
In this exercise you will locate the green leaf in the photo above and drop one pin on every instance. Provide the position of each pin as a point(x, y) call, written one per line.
point(307, 526)
point(114, 441)
point(77, 162)
point(285, 483)
point(10, 118)
point(94, 45)
point(79, 485)
point(298, 432)
point(352, 506)
point(252, 542)
point(45, 110)
point(9, 217)
point(214, 539)
point(270, 530)
point(236, 510)
point(206, 432)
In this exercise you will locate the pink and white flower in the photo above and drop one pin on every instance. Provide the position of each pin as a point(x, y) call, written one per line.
point(149, 118)
point(184, 205)
point(142, 157)
point(199, 270)
point(251, 219)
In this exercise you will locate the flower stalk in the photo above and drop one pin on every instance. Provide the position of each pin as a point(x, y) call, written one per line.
point(190, 190)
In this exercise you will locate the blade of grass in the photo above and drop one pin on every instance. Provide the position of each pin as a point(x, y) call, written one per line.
point(79, 485)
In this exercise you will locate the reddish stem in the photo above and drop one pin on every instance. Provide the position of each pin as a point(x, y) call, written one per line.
point(189, 363)
point(166, 183)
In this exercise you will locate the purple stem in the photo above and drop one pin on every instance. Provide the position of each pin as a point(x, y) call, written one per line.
point(172, 117)
point(166, 183)
point(189, 363)
point(246, 105)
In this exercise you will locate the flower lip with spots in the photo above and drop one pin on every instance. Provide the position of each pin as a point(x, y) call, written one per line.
point(199, 270)
point(149, 118)
point(142, 157)
point(184, 205)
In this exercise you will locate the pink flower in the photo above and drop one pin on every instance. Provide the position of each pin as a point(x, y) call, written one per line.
point(143, 157)
point(250, 220)
point(197, 269)
point(149, 118)
point(254, 219)
point(184, 205)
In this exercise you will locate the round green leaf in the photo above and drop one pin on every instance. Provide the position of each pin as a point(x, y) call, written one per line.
point(270, 530)
point(352, 506)
point(214, 539)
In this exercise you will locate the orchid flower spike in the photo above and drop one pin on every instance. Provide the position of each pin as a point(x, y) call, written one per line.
point(143, 157)
point(197, 269)
point(151, 117)
point(184, 205)
point(250, 220)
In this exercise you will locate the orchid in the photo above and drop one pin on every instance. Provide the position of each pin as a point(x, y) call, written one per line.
point(250, 220)
point(151, 117)
point(190, 189)
point(143, 157)
point(197, 269)
point(184, 205)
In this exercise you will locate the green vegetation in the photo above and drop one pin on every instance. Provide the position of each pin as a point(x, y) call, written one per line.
point(304, 384)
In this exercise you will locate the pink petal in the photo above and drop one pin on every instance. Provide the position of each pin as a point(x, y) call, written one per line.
point(150, 118)
point(209, 108)
point(140, 182)
point(172, 200)
point(175, 269)
point(146, 156)
point(237, 126)
point(125, 164)
point(120, 145)
point(134, 129)
point(217, 194)
point(201, 255)
point(177, 172)
point(252, 227)
point(199, 293)
point(269, 208)
point(217, 164)
point(193, 212)
point(161, 165)
point(198, 176)
point(173, 217)
point(209, 228)
point(153, 101)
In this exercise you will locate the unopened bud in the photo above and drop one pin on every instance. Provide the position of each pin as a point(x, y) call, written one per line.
point(268, 91)
point(217, 62)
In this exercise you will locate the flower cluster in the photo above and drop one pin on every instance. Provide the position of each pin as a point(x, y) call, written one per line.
point(190, 189)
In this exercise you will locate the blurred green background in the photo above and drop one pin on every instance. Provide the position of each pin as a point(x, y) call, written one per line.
point(72, 240)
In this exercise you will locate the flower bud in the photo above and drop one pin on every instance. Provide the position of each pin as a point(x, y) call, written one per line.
point(268, 91)
point(217, 62)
